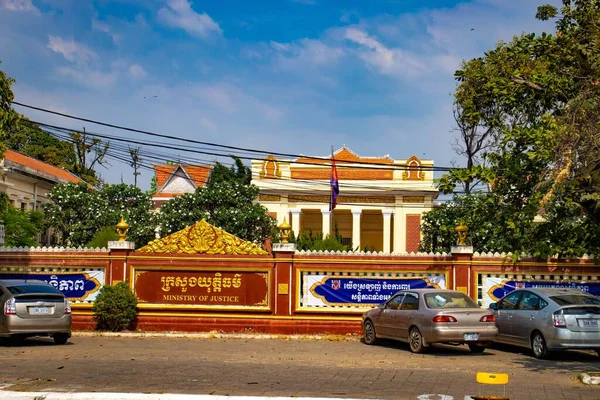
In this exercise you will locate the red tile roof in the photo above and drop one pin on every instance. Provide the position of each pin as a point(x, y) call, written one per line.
point(40, 167)
point(198, 173)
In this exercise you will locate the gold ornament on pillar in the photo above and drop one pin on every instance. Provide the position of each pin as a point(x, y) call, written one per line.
point(462, 230)
point(285, 229)
point(122, 229)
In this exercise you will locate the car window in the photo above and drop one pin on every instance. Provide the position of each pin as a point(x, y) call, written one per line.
point(394, 302)
point(510, 301)
point(410, 302)
point(33, 289)
point(530, 302)
point(449, 300)
point(575, 299)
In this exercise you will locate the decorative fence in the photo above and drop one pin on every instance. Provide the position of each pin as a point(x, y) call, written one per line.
point(283, 292)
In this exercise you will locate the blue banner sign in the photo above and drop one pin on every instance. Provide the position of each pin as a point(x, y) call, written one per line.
point(348, 291)
point(75, 286)
point(501, 289)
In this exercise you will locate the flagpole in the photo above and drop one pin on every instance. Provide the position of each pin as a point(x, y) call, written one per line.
point(331, 227)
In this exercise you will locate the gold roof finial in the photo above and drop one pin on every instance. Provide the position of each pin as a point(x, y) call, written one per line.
point(285, 229)
point(122, 229)
point(461, 230)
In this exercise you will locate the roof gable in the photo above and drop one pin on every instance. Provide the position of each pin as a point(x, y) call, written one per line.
point(345, 155)
point(197, 175)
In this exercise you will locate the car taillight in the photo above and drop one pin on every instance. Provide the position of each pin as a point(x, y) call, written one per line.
point(67, 307)
point(444, 318)
point(488, 318)
point(559, 321)
point(10, 307)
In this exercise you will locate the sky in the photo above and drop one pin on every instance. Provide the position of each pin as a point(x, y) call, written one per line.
point(288, 76)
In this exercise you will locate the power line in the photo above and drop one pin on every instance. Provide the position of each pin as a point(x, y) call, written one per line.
point(256, 151)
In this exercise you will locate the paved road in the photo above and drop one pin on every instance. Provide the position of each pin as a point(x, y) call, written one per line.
point(340, 368)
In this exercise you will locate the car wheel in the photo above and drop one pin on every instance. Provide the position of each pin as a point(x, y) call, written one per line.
point(61, 338)
point(476, 348)
point(538, 345)
point(369, 332)
point(415, 341)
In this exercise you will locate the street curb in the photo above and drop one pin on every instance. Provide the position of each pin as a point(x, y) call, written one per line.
point(137, 396)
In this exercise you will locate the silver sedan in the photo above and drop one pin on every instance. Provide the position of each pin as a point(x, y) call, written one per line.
point(422, 317)
point(548, 319)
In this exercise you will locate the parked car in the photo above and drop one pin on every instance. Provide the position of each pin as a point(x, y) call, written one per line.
point(33, 308)
point(548, 319)
point(422, 317)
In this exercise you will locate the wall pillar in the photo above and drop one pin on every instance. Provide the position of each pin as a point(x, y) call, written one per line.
point(461, 270)
point(118, 271)
point(387, 225)
point(284, 284)
point(295, 220)
point(356, 213)
point(400, 230)
point(326, 221)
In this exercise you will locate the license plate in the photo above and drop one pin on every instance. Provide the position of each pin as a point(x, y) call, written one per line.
point(588, 323)
point(40, 310)
point(471, 336)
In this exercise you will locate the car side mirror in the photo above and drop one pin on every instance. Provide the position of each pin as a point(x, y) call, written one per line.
point(493, 306)
point(382, 305)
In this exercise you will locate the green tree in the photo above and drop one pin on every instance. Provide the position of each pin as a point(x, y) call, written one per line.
point(538, 96)
point(227, 205)
point(28, 139)
point(8, 117)
point(20, 227)
point(90, 152)
point(79, 212)
point(238, 172)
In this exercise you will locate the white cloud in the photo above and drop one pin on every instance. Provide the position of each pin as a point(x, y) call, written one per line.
point(89, 78)
point(105, 28)
point(280, 46)
point(387, 61)
point(137, 71)
point(18, 5)
point(179, 14)
point(71, 50)
point(305, 2)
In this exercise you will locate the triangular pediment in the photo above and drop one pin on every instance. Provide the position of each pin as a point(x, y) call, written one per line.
point(202, 238)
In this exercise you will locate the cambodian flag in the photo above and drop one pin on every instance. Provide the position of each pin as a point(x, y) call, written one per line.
point(335, 186)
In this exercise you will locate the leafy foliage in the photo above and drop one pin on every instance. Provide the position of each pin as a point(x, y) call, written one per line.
point(538, 95)
point(8, 117)
point(115, 307)
point(228, 205)
point(307, 240)
point(102, 237)
point(78, 211)
point(238, 173)
point(30, 140)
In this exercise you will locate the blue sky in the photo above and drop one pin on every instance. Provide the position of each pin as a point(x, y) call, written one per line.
point(292, 76)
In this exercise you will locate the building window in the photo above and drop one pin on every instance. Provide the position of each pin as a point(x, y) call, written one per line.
point(23, 206)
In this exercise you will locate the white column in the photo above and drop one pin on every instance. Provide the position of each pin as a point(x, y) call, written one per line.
point(326, 221)
point(356, 213)
point(399, 230)
point(387, 225)
point(295, 220)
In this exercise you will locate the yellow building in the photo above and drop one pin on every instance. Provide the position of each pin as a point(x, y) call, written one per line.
point(379, 206)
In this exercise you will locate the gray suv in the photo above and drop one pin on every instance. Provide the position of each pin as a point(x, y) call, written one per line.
point(33, 308)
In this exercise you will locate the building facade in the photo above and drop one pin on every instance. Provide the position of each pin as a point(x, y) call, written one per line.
point(27, 182)
point(380, 201)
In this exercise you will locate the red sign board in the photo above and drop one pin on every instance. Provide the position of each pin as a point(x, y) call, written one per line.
point(232, 288)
